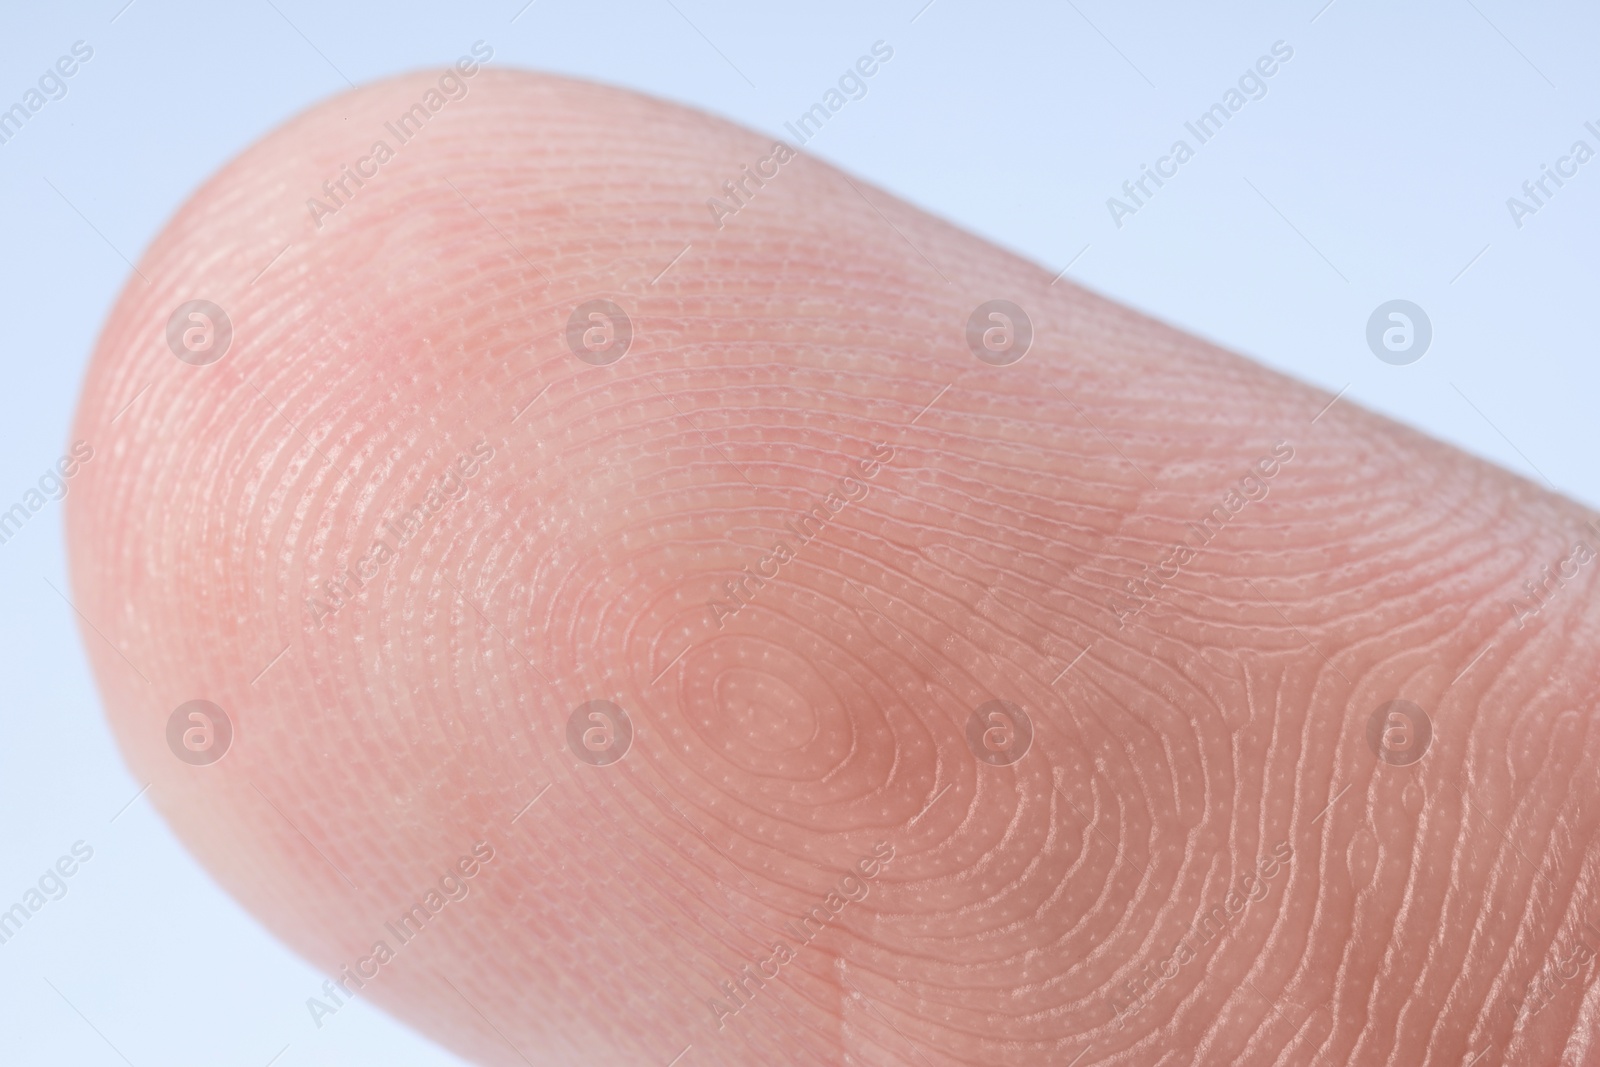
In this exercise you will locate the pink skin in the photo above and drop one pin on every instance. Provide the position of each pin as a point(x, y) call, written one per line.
point(995, 519)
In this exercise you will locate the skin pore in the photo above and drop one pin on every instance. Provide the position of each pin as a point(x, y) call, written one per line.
point(1207, 851)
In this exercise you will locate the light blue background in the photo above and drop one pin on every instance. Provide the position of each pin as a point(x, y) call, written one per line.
point(1390, 143)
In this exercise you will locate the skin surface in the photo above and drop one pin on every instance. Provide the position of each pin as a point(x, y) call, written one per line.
point(1184, 733)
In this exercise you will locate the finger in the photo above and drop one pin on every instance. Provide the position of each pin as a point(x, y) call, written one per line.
point(513, 419)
